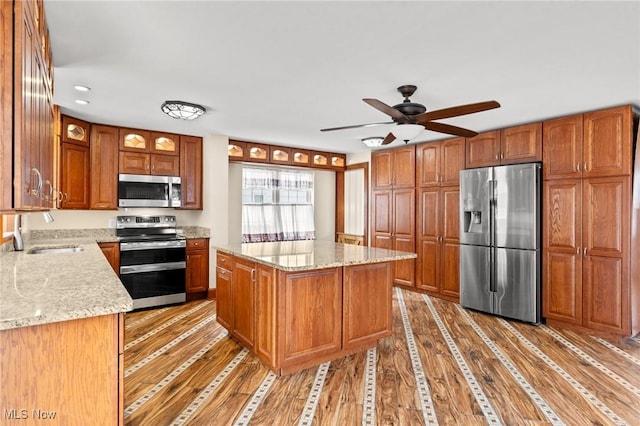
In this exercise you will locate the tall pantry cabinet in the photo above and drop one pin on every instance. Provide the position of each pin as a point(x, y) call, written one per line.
point(587, 238)
point(438, 229)
point(393, 206)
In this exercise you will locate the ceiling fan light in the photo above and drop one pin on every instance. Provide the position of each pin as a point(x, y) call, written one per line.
point(406, 132)
point(182, 110)
point(373, 141)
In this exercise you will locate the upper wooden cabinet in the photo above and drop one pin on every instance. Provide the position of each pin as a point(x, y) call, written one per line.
point(75, 131)
point(165, 143)
point(74, 176)
point(236, 150)
point(26, 151)
point(257, 152)
point(191, 172)
point(593, 144)
point(300, 157)
point(135, 140)
point(394, 168)
point(279, 155)
point(513, 145)
point(253, 152)
point(439, 163)
point(104, 167)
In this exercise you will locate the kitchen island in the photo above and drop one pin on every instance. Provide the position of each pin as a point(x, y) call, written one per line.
point(297, 304)
point(61, 334)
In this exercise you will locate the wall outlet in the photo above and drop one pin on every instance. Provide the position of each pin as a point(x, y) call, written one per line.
point(111, 223)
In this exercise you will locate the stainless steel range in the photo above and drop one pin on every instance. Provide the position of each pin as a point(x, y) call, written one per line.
point(152, 260)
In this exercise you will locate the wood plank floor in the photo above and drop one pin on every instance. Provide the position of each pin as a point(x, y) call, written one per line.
point(442, 365)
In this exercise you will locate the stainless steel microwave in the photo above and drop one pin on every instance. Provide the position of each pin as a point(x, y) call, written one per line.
point(149, 191)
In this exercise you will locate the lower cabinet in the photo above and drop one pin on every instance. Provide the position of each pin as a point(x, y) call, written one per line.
point(438, 264)
point(297, 319)
point(111, 251)
point(197, 270)
point(79, 362)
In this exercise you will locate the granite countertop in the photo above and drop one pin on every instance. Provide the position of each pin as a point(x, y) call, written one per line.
point(45, 288)
point(312, 254)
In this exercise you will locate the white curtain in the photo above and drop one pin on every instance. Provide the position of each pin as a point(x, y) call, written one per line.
point(264, 218)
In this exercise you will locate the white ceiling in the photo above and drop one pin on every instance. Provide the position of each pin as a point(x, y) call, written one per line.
point(278, 72)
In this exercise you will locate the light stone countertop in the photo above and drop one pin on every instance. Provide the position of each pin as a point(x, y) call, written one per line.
point(312, 254)
point(45, 288)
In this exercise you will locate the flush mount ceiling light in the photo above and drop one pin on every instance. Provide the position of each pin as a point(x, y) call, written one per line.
point(80, 88)
point(373, 141)
point(82, 101)
point(182, 110)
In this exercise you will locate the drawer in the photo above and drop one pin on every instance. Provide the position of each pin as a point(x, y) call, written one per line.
point(197, 243)
point(224, 260)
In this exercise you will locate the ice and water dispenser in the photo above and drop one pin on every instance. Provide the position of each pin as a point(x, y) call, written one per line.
point(472, 210)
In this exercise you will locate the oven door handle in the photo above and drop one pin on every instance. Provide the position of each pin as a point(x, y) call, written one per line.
point(148, 245)
point(152, 267)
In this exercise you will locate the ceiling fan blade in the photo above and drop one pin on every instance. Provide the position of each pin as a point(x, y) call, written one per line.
point(356, 126)
point(456, 111)
point(390, 111)
point(449, 129)
point(388, 139)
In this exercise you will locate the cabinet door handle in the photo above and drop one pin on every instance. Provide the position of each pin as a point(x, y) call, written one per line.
point(578, 251)
point(496, 156)
point(253, 275)
point(585, 167)
point(502, 155)
point(578, 167)
point(584, 252)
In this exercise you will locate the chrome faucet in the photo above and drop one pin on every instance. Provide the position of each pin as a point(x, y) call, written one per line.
point(18, 242)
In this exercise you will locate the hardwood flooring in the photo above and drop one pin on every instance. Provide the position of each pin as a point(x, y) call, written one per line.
point(442, 365)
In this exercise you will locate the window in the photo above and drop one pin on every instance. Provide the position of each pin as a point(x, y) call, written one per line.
point(277, 205)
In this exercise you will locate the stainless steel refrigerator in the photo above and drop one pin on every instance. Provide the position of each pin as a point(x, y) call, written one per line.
point(500, 240)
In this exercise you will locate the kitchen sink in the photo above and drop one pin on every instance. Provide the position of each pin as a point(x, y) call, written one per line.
point(55, 249)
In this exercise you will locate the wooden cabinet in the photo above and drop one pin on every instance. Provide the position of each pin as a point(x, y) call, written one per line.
point(112, 252)
point(393, 227)
point(74, 173)
point(78, 365)
point(104, 168)
point(587, 238)
point(140, 163)
point(513, 145)
point(144, 152)
point(76, 131)
point(438, 234)
point(366, 289)
point(311, 326)
point(593, 144)
point(393, 206)
point(235, 297)
point(297, 319)
point(197, 270)
point(224, 289)
point(439, 163)
point(394, 168)
point(164, 143)
point(244, 275)
point(191, 172)
point(586, 245)
point(26, 151)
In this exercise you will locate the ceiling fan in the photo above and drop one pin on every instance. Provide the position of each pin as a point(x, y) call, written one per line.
point(412, 117)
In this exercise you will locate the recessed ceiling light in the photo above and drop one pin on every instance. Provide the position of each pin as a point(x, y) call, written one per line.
point(82, 88)
point(82, 101)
